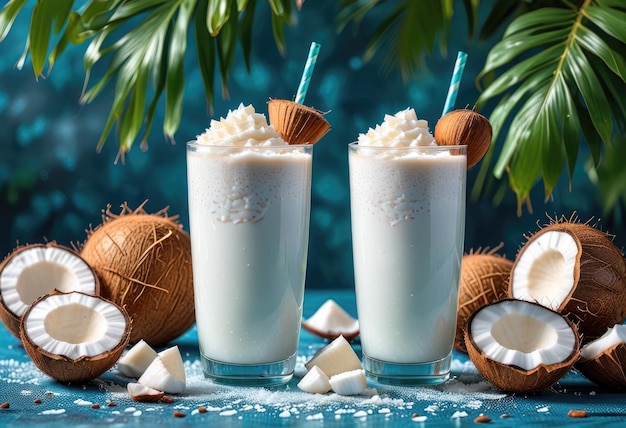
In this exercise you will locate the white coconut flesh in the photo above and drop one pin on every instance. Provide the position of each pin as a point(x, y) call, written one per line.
point(75, 325)
point(36, 271)
point(613, 336)
point(332, 318)
point(521, 334)
point(544, 271)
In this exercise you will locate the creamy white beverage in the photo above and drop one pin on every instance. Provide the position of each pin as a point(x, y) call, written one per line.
point(407, 200)
point(249, 205)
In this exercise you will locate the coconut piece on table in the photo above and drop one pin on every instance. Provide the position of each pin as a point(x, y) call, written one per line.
point(35, 270)
point(297, 123)
point(139, 392)
point(352, 382)
point(315, 381)
point(166, 373)
point(134, 362)
point(331, 321)
point(603, 360)
point(74, 337)
point(521, 346)
point(336, 357)
point(576, 270)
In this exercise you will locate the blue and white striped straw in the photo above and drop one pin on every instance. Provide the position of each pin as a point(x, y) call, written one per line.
point(308, 71)
point(459, 66)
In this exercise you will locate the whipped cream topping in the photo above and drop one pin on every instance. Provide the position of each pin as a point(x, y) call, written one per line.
point(241, 127)
point(403, 129)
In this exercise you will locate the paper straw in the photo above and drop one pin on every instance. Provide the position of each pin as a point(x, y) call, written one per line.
point(308, 71)
point(457, 74)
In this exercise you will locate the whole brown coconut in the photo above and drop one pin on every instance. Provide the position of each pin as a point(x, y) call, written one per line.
point(468, 128)
point(576, 270)
point(484, 280)
point(143, 262)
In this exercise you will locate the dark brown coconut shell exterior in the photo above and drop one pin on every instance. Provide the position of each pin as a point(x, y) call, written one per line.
point(297, 123)
point(10, 320)
point(143, 262)
point(607, 369)
point(515, 379)
point(64, 369)
point(597, 300)
point(484, 280)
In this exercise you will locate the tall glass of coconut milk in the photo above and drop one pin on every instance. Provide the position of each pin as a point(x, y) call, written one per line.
point(249, 208)
point(408, 223)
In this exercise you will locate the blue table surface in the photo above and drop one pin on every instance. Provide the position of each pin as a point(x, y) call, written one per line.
point(456, 403)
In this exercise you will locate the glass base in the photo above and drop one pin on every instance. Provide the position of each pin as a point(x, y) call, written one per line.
point(431, 373)
point(270, 374)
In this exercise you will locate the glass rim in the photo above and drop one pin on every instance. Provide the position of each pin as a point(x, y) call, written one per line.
point(195, 144)
point(355, 146)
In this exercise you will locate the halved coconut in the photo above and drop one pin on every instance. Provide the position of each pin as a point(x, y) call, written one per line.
point(74, 337)
point(521, 346)
point(576, 270)
point(32, 271)
point(331, 321)
point(603, 360)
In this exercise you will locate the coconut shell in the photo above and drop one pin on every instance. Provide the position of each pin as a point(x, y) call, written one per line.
point(484, 280)
point(143, 262)
point(64, 369)
point(297, 123)
point(466, 128)
point(515, 379)
point(597, 300)
point(11, 320)
point(607, 369)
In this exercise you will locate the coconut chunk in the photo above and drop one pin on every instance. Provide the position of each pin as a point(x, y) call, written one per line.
point(518, 334)
point(545, 271)
point(136, 360)
point(139, 392)
point(613, 336)
point(336, 357)
point(315, 381)
point(352, 382)
point(330, 321)
point(166, 372)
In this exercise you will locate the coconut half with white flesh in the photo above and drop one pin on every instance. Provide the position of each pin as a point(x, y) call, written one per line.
point(576, 270)
point(603, 360)
point(74, 337)
point(331, 321)
point(520, 346)
point(32, 271)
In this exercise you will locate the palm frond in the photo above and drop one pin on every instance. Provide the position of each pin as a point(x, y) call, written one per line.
point(552, 66)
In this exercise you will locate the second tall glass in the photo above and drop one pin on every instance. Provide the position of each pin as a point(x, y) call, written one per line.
point(408, 225)
point(249, 210)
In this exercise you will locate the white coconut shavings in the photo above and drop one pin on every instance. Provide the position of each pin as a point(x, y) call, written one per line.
point(459, 414)
point(53, 412)
point(419, 418)
point(543, 409)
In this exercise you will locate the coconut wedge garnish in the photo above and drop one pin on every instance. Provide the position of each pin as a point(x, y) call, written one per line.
point(139, 392)
point(331, 321)
point(521, 346)
point(603, 360)
point(166, 373)
point(576, 270)
point(74, 337)
point(352, 382)
point(32, 271)
point(135, 362)
point(336, 357)
point(315, 381)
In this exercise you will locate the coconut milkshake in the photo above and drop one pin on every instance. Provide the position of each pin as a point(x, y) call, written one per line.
point(249, 206)
point(407, 199)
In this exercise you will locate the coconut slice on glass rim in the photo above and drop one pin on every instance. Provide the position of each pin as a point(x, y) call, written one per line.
point(603, 360)
point(576, 270)
point(32, 271)
point(521, 346)
point(74, 337)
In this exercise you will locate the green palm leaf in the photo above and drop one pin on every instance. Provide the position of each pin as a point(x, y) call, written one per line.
point(552, 65)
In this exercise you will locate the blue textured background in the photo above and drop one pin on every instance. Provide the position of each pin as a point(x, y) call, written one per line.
point(53, 184)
